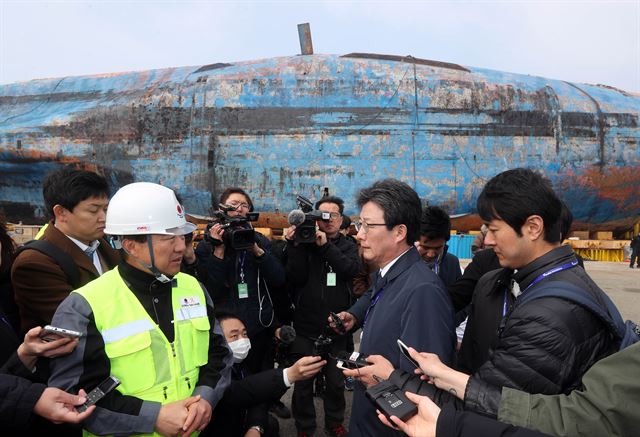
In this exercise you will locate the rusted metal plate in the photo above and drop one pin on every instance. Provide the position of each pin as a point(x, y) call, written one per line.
point(307, 124)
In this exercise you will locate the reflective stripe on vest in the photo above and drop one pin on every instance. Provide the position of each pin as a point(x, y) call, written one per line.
point(147, 364)
point(126, 330)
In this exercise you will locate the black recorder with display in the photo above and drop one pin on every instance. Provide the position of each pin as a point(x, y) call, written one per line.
point(391, 401)
point(99, 392)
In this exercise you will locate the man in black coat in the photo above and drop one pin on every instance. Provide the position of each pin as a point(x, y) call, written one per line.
point(485, 310)
point(243, 410)
point(320, 275)
point(435, 231)
point(242, 280)
point(635, 252)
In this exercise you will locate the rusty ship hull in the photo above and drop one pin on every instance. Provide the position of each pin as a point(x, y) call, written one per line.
point(324, 123)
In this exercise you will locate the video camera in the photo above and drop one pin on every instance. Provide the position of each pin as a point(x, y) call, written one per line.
point(322, 344)
point(304, 219)
point(238, 232)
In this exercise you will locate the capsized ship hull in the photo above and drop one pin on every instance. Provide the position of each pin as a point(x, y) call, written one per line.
point(310, 124)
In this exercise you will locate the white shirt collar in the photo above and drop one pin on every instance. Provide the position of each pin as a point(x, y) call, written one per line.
point(385, 269)
point(94, 246)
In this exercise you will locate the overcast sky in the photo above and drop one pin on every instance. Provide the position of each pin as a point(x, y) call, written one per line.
point(579, 41)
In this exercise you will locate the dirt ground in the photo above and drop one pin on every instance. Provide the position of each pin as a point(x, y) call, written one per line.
point(620, 282)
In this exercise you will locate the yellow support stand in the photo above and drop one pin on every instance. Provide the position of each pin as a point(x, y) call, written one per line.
point(612, 255)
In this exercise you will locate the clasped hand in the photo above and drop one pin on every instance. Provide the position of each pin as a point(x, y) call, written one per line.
point(184, 417)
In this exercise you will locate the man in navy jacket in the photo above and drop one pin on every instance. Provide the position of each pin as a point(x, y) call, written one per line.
point(435, 231)
point(408, 300)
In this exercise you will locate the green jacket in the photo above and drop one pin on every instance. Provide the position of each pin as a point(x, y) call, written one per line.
point(608, 405)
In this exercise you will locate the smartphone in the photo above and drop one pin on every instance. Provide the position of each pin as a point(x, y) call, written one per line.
point(50, 333)
point(351, 360)
point(338, 322)
point(99, 392)
point(404, 349)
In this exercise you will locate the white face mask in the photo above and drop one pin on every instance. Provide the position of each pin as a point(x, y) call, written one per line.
point(240, 349)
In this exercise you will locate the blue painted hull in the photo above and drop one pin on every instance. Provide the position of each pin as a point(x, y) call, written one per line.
point(306, 124)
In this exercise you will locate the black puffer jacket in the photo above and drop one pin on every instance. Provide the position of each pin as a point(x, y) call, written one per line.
point(543, 346)
point(485, 314)
point(546, 345)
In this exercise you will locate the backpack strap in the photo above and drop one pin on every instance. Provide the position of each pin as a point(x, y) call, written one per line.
point(66, 263)
point(609, 315)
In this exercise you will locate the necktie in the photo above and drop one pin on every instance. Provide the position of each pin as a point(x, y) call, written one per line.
point(377, 282)
point(89, 251)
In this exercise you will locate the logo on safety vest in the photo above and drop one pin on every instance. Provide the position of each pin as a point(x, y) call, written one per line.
point(190, 301)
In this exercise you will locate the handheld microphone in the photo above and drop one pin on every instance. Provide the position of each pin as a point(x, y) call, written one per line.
point(287, 334)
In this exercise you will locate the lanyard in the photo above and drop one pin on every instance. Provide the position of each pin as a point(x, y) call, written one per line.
point(375, 301)
point(4, 319)
point(242, 258)
point(436, 266)
point(538, 279)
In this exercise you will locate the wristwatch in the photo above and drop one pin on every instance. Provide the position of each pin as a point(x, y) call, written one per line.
point(258, 428)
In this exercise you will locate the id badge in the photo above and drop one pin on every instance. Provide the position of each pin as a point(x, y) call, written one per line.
point(243, 290)
point(331, 279)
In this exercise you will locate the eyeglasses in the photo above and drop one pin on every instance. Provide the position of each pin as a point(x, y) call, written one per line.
point(365, 226)
point(335, 215)
point(238, 205)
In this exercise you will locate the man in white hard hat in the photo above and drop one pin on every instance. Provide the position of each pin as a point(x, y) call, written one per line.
point(146, 324)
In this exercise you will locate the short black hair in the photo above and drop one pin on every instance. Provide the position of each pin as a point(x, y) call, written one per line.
point(331, 199)
point(435, 223)
point(236, 190)
point(514, 195)
point(68, 187)
point(222, 314)
point(346, 222)
point(399, 202)
point(566, 220)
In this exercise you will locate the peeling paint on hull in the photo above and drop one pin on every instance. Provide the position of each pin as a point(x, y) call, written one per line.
point(297, 125)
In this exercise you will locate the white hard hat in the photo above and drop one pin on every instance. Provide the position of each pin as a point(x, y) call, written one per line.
point(143, 208)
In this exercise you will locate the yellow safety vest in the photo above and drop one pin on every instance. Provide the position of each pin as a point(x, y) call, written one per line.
point(41, 232)
point(148, 366)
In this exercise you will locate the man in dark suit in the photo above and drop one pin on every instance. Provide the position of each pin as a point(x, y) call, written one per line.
point(77, 202)
point(407, 301)
point(243, 411)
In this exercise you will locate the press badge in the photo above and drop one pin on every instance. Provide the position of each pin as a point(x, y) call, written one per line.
point(331, 279)
point(243, 290)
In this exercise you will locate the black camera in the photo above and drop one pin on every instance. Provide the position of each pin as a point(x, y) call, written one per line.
point(322, 346)
point(304, 219)
point(238, 232)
